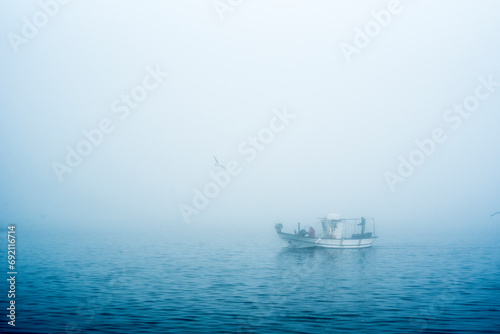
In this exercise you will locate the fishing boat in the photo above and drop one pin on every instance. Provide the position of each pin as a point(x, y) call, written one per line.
point(337, 233)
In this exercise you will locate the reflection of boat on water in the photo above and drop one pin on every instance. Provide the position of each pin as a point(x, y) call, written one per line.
point(337, 233)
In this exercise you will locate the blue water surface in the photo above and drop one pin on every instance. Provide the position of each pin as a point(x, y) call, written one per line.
point(161, 283)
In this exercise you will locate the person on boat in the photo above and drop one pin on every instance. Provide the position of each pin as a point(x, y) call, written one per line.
point(312, 232)
point(362, 224)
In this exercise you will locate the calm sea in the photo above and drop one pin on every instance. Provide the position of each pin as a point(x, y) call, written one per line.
point(156, 283)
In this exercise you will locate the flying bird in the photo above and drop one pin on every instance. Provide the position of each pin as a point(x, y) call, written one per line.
point(496, 213)
point(217, 163)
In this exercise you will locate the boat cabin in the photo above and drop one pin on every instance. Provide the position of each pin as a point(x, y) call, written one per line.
point(353, 228)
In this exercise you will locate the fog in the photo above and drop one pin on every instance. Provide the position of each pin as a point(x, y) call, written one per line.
point(329, 124)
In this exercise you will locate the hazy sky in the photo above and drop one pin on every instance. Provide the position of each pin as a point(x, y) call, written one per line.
point(230, 64)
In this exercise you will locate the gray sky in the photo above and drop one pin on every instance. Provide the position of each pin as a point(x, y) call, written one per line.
point(354, 115)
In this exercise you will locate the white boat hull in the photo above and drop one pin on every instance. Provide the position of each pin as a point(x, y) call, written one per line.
point(296, 241)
